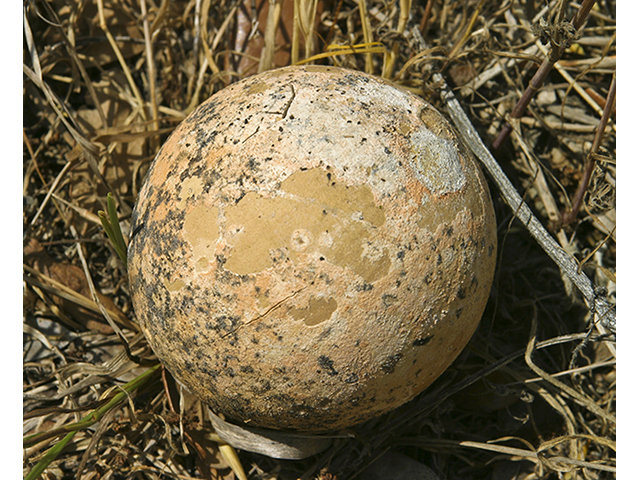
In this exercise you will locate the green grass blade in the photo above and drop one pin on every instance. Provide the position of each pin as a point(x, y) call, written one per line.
point(111, 226)
point(86, 422)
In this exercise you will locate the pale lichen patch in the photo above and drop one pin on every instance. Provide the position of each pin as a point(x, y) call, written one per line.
point(202, 264)
point(263, 302)
point(258, 87)
point(301, 239)
point(434, 212)
point(190, 187)
point(436, 161)
point(348, 250)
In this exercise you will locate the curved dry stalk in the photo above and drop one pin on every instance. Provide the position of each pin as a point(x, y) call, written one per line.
point(304, 19)
point(577, 397)
point(86, 422)
point(42, 281)
point(476, 13)
point(204, 33)
point(90, 151)
point(71, 50)
point(50, 192)
point(197, 22)
point(210, 61)
point(533, 455)
point(570, 216)
point(94, 294)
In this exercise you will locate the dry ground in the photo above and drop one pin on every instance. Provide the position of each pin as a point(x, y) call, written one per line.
point(105, 81)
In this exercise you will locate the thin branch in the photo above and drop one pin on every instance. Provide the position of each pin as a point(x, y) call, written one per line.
point(566, 262)
point(558, 46)
point(570, 216)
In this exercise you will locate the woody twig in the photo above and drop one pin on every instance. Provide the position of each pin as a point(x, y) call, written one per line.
point(560, 35)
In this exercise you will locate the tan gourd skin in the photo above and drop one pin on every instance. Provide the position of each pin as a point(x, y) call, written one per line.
point(312, 248)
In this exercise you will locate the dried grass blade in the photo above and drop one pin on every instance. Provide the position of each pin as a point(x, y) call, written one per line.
point(576, 396)
point(467, 33)
point(151, 65)
point(71, 50)
point(573, 371)
point(52, 189)
point(335, 50)
point(573, 83)
point(121, 60)
point(94, 293)
point(535, 456)
point(366, 33)
point(530, 455)
point(231, 457)
point(89, 150)
point(42, 338)
point(159, 16)
point(114, 367)
point(83, 212)
point(205, 38)
point(309, 11)
point(270, 31)
point(197, 27)
point(102, 427)
point(68, 322)
point(295, 34)
point(592, 438)
point(67, 293)
point(392, 55)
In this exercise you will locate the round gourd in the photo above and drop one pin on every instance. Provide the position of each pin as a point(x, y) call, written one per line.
point(312, 247)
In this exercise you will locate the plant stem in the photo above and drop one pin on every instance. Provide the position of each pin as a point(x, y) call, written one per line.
point(565, 262)
point(570, 216)
point(556, 51)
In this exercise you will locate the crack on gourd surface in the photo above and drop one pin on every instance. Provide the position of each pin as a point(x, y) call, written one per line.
point(273, 307)
point(436, 162)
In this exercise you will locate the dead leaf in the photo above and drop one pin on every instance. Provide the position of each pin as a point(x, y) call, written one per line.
point(73, 277)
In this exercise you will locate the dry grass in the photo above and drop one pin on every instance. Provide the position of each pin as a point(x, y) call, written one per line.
point(105, 82)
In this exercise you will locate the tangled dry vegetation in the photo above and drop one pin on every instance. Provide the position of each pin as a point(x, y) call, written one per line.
point(105, 81)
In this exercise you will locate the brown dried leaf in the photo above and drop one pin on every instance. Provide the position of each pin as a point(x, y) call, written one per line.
point(252, 43)
point(73, 277)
